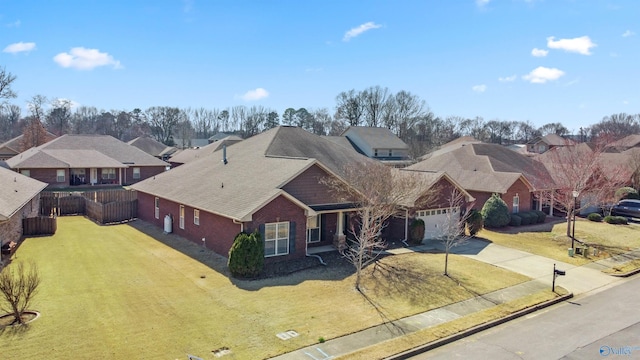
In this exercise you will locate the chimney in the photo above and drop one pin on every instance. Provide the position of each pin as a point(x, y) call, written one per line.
point(224, 154)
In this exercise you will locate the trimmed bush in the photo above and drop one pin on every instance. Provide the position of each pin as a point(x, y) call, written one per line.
point(417, 231)
point(474, 222)
point(495, 213)
point(528, 218)
point(515, 220)
point(627, 193)
point(246, 256)
point(594, 217)
point(616, 220)
point(542, 216)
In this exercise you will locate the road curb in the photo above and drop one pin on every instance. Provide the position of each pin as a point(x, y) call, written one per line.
point(627, 274)
point(476, 329)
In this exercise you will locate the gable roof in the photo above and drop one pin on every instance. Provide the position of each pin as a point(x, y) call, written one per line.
point(487, 168)
point(187, 155)
point(452, 145)
point(15, 191)
point(256, 171)
point(221, 135)
point(376, 137)
point(626, 142)
point(152, 146)
point(551, 140)
point(14, 146)
point(81, 150)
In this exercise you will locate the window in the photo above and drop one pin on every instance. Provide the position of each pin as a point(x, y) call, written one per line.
point(390, 152)
point(157, 208)
point(276, 239)
point(136, 173)
point(181, 216)
point(313, 229)
point(196, 216)
point(375, 152)
point(60, 175)
point(109, 173)
point(26, 172)
point(516, 204)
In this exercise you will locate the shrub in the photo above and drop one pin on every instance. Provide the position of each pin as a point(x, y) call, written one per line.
point(542, 216)
point(495, 213)
point(594, 217)
point(246, 256)
point(627, 193)
point(528, 218)
point(515, 220)
point(417, 231)
point(616, 220)
point(474, 222)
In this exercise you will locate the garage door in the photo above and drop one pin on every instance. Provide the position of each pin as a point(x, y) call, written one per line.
point(435, 220)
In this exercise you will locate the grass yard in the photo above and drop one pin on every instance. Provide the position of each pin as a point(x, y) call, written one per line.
point(552, 242)
point(114, 292)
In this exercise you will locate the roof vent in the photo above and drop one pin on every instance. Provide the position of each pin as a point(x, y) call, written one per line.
point(224, 154)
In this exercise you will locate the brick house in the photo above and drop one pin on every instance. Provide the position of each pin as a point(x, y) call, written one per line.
point(19, 199)
point(271, 183)
point(86, 160)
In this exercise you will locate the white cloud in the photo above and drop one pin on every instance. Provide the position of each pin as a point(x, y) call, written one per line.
point(628, 33)
point(356, 31)
point(479, 88)
point(20, 47)
point(541, 75)
point(257, 94)
point(14, 24)
point(482, 3)
point(539, 52)
point(580, 45)
point(85, 59)
point(507, 78)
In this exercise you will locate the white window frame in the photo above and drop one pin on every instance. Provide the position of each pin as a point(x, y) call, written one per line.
point(136, 173)
point(375, 152)
point(26, 172)
point(516, 204)
point(276, 239)
point(108, 173)
point(313, 223)
point(181, 217)
point(60, 175)
point(156, 205)
point(390, 152)
point(196, 216)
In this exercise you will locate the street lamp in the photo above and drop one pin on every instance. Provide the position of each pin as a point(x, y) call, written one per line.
point(575, 194)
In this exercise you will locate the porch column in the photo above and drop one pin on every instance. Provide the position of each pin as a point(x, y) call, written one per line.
point(540, 199)
point(551, 204)
point(339, 239)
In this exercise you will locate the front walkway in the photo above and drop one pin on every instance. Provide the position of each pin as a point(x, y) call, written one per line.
point(578, 279)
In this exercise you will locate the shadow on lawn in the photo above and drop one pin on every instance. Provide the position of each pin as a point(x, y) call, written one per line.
point(275, 274)
point(546, 226)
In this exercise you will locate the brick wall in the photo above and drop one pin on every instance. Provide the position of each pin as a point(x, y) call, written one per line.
point(11, 230)
point(522, 190)
point(308, 187)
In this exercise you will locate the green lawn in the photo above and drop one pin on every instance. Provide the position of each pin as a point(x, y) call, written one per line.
point(113, 292)
point(551, 240)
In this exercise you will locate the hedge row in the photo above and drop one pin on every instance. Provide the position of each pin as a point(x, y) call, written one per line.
point(615, 220)
point(527, 218)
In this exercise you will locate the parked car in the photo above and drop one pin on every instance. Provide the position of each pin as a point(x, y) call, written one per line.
point(628, 208)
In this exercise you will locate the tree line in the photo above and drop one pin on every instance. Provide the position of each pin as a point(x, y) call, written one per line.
point(404, 113)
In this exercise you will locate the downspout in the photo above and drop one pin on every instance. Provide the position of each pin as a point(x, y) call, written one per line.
point(239, 223)
point(406, 227)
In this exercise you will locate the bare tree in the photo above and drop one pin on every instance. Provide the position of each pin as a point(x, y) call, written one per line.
point(58, 118)
point(581, 178)
point(6, 79)
point(18, 286)
point(36, 106)
point(163, 121)
point(617, 126)
point(34, 134)
point(453, 229)
point(350, 107)
point(379, 192)
point(375, 99)
point(9, 121)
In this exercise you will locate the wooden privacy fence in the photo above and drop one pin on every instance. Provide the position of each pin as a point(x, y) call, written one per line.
point(40, 225)
point(103, 206)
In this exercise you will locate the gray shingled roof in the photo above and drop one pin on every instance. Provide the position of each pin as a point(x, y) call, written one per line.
point(152, 146)
point(627, 142)
point(15, 191)
point(377, 137)
point(487, 167)
point(256, 171)
point(188, 155)
point(82, 149)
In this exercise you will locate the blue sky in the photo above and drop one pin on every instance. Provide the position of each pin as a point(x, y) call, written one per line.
point(568, 61)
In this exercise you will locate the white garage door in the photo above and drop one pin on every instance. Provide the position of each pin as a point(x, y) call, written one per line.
point(435, 221)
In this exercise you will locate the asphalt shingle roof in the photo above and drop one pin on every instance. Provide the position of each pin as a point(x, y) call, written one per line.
point(377, 137)
point(15, 191)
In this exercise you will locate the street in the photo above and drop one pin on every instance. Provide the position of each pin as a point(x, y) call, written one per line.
point(598, 325)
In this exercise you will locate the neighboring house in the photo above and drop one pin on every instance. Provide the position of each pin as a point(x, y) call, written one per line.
point(190, 143)
point(14, 146)
point(628, 142)
point(19, 199)
point(484, 169)
point(271, 183)
point(380, 144)
point(153, 147)
point(188, 155)
point(541, 144)
point(221, 135)
point(80, 160)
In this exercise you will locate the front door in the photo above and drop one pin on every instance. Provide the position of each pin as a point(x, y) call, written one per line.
point(94, 176)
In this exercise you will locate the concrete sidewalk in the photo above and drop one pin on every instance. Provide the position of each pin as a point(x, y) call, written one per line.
point(578, 279)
